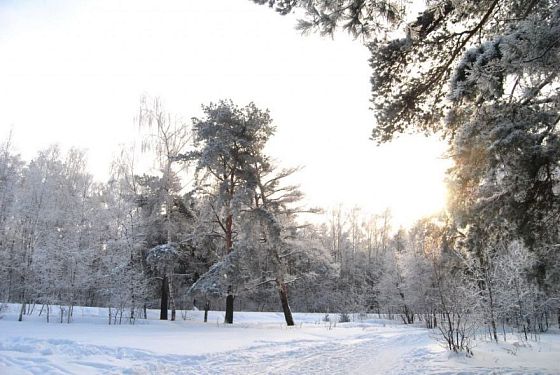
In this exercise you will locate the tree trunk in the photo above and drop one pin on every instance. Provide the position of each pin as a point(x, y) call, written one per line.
point(492, 315)
point(283, 291)
point(229, 307)
point(164, 297)
point(229, 233)
point(133, 302)
point(70, 312)
point(206, 308)
point(171, 293)
point(21, 311)
point(229, 245)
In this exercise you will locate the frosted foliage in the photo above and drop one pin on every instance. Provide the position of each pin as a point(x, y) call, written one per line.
point(478, 67)
point(529, 48)
point(418, 280)
point(506, 151)
point(228, 139)
point(215, 282)
point(55, 227)
point(517, 297)
point(163, 257)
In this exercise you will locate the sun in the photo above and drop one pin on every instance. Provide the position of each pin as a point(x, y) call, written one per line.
point(416, 185)
point(407, 176)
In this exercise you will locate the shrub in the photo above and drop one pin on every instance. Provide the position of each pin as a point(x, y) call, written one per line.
point(344, 318)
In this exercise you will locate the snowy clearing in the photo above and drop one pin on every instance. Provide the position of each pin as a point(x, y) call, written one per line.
point(257, 343)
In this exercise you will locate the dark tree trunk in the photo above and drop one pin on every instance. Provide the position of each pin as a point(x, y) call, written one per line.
point(229, 307)
point(229, 245)
point(206, 308)
point(492, 318)
point(171, 294)
point(164, 298)
point(283, 291)
point(21, 311)
point(229, 233)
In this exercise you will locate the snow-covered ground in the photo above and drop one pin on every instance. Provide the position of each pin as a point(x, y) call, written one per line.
point(257, 343)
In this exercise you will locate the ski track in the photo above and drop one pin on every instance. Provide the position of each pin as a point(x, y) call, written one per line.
point(375, 351)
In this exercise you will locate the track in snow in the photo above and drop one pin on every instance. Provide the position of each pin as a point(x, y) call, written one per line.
point(376, 350)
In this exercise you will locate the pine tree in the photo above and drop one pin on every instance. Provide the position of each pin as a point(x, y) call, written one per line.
point(229, 140)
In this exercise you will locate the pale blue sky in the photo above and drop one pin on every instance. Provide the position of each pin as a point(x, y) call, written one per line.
point(72, 73)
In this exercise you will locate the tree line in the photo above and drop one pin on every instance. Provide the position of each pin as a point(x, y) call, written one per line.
point(216, 225)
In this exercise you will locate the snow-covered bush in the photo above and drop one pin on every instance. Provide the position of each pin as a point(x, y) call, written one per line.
point(344, 318)
point(459, 313)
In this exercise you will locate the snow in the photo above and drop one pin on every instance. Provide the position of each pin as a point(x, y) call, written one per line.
point(257, 343)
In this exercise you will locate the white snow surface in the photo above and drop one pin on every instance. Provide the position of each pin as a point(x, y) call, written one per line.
point(257, 343)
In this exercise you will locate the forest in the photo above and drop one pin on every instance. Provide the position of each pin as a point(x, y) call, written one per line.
point(218, 225)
